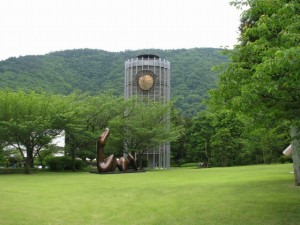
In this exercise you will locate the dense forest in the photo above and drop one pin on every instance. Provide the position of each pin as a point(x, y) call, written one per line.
point(96, 71)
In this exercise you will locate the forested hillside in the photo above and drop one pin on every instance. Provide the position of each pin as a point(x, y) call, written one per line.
point(97, 70)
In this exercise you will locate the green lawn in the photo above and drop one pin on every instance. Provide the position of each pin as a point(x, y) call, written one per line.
point(263, 194)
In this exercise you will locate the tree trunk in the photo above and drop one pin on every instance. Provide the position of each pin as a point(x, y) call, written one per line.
point(73, 160)
point(295, 134)
point(41, 160)
point(28, 161)
point(32, 162)
point(140, 157)
point(206, 154)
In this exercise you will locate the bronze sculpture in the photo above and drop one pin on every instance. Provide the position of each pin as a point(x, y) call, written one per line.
point(110, 163)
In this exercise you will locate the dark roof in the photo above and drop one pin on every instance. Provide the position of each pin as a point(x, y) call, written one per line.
point(148, 56)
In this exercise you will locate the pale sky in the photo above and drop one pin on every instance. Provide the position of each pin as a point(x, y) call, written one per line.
point(36, 27)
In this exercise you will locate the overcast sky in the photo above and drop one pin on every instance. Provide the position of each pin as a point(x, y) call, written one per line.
point(34, 27)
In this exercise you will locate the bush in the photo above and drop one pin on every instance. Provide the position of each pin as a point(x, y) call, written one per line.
point(11, 170)
point(144, 163)
point(63, 163)
point(191, 164)
point(18, 170)
point(285, 159)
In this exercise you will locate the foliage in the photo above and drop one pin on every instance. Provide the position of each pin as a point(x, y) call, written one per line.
point(199, 138)
point(144, 125)
point(64, 163)
point(179, 146)
point(215, 139)
point(264, 71)
point(11, 170)
point(262, 79)
point(143, 163)
point(2, 156)
point(263, 143)
point(96, 70)
point(194, 165)
point(285, 159)
point(48, 151)
point(89, 115)
point(29, 121)
point(224, 138)
point(226, 142)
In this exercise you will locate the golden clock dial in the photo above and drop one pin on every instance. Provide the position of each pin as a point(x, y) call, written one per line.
point(146, 82)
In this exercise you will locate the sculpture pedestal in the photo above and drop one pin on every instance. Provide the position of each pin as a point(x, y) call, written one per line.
point(118, 172)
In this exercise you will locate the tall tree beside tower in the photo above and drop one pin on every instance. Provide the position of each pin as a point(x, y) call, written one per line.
point(263, 76)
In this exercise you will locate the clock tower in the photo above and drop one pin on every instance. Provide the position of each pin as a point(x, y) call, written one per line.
point(148, 76)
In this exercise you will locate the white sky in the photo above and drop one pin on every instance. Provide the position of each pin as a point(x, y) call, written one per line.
point(33, 27)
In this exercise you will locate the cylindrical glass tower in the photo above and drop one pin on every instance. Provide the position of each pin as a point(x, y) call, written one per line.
point(148, 76)
point(156, 69)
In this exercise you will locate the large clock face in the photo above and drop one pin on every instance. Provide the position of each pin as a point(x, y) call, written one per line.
point(145, 80)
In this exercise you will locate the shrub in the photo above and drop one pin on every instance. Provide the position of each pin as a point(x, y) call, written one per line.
point(11, 170)
point(63, 163)
point(191, 164)
point(17, 170)
point(285, 159)
point(144, 162)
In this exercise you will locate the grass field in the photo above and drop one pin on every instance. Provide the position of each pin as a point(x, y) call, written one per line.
point(258, 195)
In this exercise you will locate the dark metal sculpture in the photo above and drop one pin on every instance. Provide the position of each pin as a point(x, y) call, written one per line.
point(110, 163)
point(125, 163)
point(104, 164)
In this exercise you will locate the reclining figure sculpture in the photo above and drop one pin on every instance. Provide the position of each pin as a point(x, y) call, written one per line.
point(110, 163)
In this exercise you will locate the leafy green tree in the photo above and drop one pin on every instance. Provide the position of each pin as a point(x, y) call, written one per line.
point(77, 137)
point(2, 156)
point(199, 138)
point(179, 147)
point(48, 151)
point(263, 141)
point(88, 116)
point(263, 76)
point(29, 121)
point(144, 126)
point(226, 141)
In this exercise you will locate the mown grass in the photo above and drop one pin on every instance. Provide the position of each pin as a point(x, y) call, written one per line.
point(263, 194)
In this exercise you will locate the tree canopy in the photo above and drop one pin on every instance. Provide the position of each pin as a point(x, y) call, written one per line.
point(263, 75)
point(30, 121)
point(262, 79)
point(144, 126)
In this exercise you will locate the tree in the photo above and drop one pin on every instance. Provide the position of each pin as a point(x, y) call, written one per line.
point(48, 150)
point(2, 156)
point(144, 126)
point(179, 147)
point(29, 121)
point(199, 138)
point(226, 141)
point(263, 141)
point(88, 116)
point(263, 76)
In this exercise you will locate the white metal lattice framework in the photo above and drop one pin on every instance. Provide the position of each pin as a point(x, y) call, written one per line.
point(160, 156)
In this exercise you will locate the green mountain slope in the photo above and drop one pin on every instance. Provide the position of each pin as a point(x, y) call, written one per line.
point(98, 70)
